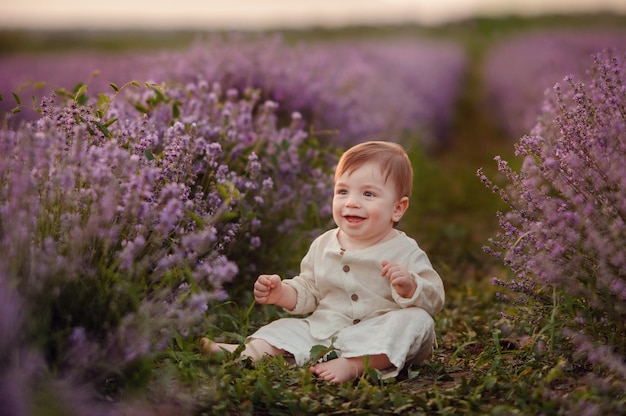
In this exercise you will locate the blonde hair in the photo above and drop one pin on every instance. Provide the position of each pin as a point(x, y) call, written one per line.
point(391, 157)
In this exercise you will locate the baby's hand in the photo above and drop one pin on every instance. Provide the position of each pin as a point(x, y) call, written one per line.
point(267, 289)
point(400, 279)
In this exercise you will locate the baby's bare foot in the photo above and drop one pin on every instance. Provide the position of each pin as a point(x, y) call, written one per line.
point(209, 347)
point(339, 370)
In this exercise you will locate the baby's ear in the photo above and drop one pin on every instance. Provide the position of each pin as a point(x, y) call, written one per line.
point(401, 206)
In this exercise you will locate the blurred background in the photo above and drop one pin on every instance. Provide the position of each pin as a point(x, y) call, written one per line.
point(252, 14)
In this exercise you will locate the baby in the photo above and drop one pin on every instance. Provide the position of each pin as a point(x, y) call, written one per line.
point(368, 287)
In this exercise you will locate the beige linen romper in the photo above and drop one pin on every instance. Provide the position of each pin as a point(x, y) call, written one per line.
point(355, 308)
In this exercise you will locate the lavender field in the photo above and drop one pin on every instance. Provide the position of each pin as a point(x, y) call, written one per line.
point(141, 193)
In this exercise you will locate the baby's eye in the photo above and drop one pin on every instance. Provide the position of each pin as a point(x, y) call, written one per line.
point(369, 194)
point(341, 191)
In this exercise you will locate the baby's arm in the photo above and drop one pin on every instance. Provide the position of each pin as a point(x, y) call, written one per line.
point(270, 290)
point(400, 279)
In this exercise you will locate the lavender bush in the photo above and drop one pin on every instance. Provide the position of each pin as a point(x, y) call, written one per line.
point(118, 218)
point(563, 237)
point(517, 70)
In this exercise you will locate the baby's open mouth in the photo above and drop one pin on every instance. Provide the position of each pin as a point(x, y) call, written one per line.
point(353, 218)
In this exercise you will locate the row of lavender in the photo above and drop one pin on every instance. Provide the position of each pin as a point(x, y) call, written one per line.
point(347, 91)
point(123, 214)
point(116, 224)
point(563, 236)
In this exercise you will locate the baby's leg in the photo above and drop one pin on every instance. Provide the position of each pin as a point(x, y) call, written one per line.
point(254, 349)
point(343, 369)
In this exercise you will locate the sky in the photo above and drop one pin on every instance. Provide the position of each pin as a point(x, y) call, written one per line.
point(268, 14)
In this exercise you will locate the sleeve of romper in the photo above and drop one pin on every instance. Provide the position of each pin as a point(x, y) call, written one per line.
point(429, 294)
point(305, 284)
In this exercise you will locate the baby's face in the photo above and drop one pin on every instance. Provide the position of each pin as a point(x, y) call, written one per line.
point(365, 207)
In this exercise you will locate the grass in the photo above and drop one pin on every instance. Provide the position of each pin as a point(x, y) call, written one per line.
point(483, 364)
point(475, 370)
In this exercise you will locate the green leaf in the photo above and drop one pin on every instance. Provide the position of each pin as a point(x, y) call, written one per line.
point(176, 109)
point(102, 105)
point(104, 98)
point(195, 217)
point(63, 93)
point(18, 100)
point(179, 342)
point(139, 107)
point(158, 93)
point(108, 123)
point(80, 97)
point(228, 191)
point(115, 87)
point(229, 216)
point(79, 88)
point(322, 352)
point(36, 104)
point(317, 352)
point(148, 154)
point(102, 128)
